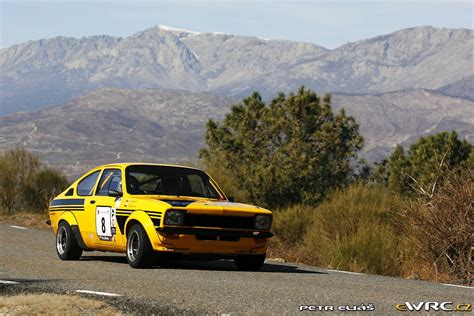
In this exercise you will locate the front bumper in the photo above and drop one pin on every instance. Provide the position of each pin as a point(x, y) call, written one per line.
point(214, 232)
point(211, 241)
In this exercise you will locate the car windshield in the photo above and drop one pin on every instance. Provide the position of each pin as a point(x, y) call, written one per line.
point(167, 180)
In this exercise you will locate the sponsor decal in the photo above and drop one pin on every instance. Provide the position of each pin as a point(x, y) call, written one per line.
point(178, 202)
point(103, 220)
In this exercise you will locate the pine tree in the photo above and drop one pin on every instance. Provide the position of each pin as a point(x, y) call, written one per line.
point(293, 149)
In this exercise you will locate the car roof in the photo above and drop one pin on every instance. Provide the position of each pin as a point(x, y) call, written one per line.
point(126, 164)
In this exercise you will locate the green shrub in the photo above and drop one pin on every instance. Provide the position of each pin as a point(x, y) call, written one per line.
point(43, 187)
point(356, 230)
point(26, 184)
point(290, 224)
point(17, 167)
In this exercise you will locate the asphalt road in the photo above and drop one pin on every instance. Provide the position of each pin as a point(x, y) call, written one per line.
point(28, 257)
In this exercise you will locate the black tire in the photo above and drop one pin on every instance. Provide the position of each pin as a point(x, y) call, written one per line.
point(249, 262)
point(139, 250)
point(67, 247)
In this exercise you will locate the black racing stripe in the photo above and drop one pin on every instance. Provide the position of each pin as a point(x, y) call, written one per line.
point(121, 219)
point(67, 202)
point(67, 206)
point(72, 209)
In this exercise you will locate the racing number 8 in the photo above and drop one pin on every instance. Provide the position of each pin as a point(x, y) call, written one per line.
point(103, 225)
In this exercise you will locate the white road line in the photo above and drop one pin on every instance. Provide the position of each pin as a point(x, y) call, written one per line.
point(8, 282)
point(97, 293)
point(347, 272)
point(461, 286)
point(19, 227)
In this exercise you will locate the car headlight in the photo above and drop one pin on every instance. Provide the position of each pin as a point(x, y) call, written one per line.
point(263, 222)
point(175, 218)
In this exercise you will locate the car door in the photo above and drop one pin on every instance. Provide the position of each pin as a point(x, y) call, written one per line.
point(85, 218)
point(107, 198)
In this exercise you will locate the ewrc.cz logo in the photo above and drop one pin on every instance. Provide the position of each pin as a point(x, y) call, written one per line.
point(433, 306)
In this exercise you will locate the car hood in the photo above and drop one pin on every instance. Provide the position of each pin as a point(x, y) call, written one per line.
point(207, 206)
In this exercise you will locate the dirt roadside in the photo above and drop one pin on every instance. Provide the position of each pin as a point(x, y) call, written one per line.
point(53, 304)
point(26, 219)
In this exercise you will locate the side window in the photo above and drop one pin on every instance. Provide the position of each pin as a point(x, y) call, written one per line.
point(111, 180)
point(86, 186)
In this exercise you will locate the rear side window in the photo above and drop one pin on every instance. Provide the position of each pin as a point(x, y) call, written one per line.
point(86, 186)
point(111, 180)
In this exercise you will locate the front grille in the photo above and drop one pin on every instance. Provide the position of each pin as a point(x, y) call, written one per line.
point(219, 221)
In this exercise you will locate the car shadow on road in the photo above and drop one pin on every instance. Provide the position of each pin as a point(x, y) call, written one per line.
point(215, 265)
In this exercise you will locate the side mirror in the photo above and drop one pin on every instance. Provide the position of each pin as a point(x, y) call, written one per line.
point(115, 193)
point(231, 198)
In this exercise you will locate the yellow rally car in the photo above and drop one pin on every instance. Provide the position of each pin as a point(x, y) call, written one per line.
point(150, 210)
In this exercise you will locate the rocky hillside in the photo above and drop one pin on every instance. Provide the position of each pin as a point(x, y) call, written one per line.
point(167, 126)
point(51, 71)
point(115, 125)
point(402, 117)
point(463, 88)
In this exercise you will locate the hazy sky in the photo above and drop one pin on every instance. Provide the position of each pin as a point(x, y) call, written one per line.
point(329, 23)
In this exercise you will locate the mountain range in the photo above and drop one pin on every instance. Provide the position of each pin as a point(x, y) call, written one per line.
point(112, 125)
point(47, 72)
point(147, 97)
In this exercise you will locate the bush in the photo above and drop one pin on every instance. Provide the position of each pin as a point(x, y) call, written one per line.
point(25, 183)
point(290, 224)
point(441, 226)
point(17, 167)
point(356, 230)
point(43, 187)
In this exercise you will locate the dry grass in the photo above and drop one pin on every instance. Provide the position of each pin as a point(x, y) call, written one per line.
point(442, 230)
point(53, 304)
point(355, 229)
point(26, 219)
point(278, 249)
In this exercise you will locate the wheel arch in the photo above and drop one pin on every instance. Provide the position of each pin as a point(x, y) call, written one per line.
point(142, 218)
point(67, 217)
point(70, 219)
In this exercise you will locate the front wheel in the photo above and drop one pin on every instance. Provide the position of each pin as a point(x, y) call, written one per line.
point(66, 244)
point(249, 262)
point(139, 250)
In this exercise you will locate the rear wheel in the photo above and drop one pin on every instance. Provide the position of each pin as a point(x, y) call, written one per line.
point(66, 244)
point(139, 250)
point(249, 262)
